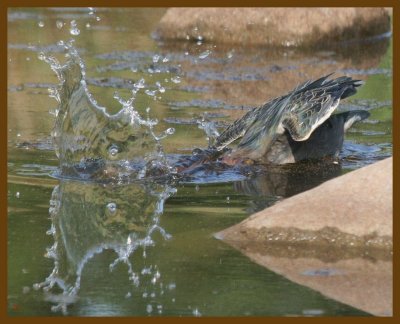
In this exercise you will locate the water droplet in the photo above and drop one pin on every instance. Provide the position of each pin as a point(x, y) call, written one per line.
point(28, 58)
point(59, 24)
point(228, 199)
point(74, 30)
point(91, 11)
point(156, 58)
point(176, 79)
point(172, 286)
point(128, 295)
point(187, 37)
point(117, 96)
point(170, 131)
point(186, 53)
point(17, 194)
point(140, 84)
point(160, 87)
point(196, 312)
point(165, 60)
point(149, 308)
point(150, 92)
point(87, 25)
point(204, 54)
point(229, 55)
point(41, 24)
point(51, 230)
point(113, 150)
point(98, 18)
point(41, 56)
point(112, 207)
point(313, 312)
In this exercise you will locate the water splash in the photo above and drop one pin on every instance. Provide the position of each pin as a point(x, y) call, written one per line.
point(74, 30)
point(210, 128)
point(204, 54)
point(176, 79)
point(90, 143)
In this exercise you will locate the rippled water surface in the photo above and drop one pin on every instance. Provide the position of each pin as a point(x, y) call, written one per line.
point(145, 246)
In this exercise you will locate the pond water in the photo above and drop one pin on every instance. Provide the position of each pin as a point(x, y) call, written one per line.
point(146, 248)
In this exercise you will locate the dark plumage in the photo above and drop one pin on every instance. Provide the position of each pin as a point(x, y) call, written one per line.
point(297, 126)
point(288, 122)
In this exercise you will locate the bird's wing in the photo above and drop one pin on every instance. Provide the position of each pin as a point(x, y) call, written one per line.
point(307, 112)
point(263, 129)
point(236, 129)
point(300, 112)
point(314, 104)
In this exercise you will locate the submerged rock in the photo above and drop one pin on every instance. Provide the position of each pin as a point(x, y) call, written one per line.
point(273, 26)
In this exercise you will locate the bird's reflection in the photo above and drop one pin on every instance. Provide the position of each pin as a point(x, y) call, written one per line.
point(272, 183)
point(89, 218)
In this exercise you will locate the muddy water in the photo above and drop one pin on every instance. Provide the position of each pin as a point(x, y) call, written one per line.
point(146, 248)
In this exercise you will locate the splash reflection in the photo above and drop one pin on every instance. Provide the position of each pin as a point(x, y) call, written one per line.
point(88, 219)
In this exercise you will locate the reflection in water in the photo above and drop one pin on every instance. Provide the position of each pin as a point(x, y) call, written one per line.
point(329, 264)
point(274, 182)
point(87, 219)
point(249, 76)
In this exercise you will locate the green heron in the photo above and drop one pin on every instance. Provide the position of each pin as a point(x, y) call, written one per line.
point(294, 127)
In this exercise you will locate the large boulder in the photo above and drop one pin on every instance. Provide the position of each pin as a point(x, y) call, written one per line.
point(335, 238)
point(273, 26)
point(356, 207)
